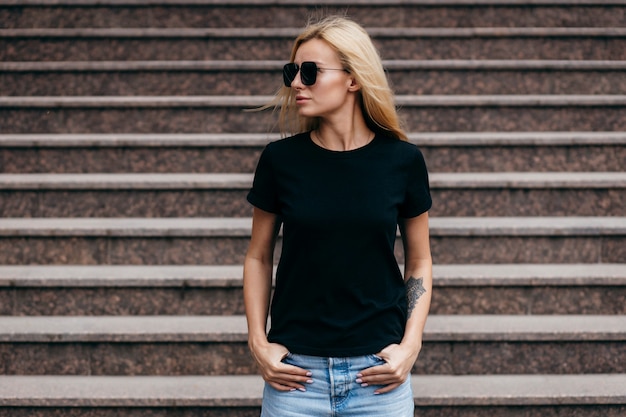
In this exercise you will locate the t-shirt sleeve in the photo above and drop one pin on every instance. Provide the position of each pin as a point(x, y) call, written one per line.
point(417, 198)
point(263, 192)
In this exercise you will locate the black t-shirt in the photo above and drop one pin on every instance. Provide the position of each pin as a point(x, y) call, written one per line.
point(339, 290)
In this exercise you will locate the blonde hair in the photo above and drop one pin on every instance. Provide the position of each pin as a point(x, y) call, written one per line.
point(360, 58)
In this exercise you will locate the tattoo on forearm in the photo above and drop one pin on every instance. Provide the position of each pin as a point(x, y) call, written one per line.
point(414, 290)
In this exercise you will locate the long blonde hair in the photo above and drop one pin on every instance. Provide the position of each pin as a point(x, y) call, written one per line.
point(360, 57)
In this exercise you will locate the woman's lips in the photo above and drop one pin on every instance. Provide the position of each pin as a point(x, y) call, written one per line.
point(301, 99)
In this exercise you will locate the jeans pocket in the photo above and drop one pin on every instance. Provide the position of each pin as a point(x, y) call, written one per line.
point(375, 360)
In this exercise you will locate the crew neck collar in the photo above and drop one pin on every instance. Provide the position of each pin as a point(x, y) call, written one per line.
point(347, 153)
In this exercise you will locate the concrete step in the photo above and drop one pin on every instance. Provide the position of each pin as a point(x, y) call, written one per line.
point(86, 44)
point(217, 345)
point(229, 153)
point(107, 78)
point(226, 114)
point(166, 13)
point(224, 241)
point(596, 395)
point(33, 290)
point(224, 195)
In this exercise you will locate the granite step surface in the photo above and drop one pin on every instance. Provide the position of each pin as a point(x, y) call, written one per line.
point(34, 290)
point(217, 345)
point(596, 395)
point(224, 195)
point(86, 44)
point(267, 13)
point(128, 78)
point(237, 152)
point(234, 114)
point(224, 241)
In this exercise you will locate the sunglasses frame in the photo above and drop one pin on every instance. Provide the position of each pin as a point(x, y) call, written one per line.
point(308, 72)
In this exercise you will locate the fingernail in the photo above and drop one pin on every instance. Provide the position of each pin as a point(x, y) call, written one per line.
point(358, 381)
point(292, 390)
point(376, 393)
point(364, 385)
point(309, 374)
point(359, 375)
point(309, 381)
point(302, 389)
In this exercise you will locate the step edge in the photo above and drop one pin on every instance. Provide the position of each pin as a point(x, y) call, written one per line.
point(219, 276)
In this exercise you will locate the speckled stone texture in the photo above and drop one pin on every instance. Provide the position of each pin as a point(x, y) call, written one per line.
point(229, 301)
point(133, 412)
point(91, 251)
point(134, 160)
point(524, 158)
point(134, 120)
point(485, 250)
point(529, 300)
point(231, 250)
point(512, 119)
point(524, 411)
point(6, 301)
point(80, 49)
point(235, 120)
point(267, 82)
point(476, 358)
point(528, 202)
point(295, 16)
point(196, 358)
point(420, 411)
point(126, 203)
point(121, 301)
point(232, 203)
point(575, 158)
point(126, 359)
point(507, 82)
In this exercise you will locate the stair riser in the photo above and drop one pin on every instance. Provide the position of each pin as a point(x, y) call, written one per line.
point(528, 410)
point(219, 301)
point(235, 120)
point(231, 250)
point(267, 82)
point(199, 358)
point(583, 158)
point(136, 160)
point(296, 16)
point(174, 411)
point(232, 203)
point(120, 301)
point(80, 49)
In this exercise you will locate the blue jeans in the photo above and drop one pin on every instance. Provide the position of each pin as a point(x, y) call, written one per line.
point(335, 393)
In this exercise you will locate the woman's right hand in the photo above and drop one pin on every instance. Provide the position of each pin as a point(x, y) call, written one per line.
point(279, 375)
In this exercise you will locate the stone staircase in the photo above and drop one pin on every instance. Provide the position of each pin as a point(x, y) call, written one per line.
point(126, 154)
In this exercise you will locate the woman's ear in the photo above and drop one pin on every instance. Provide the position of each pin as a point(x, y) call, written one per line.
point(354, 86)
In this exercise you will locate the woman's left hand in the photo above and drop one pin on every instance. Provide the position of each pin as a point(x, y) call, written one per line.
point(399, 361)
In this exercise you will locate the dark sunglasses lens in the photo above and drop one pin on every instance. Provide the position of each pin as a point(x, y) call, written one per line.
point(289, 73)
point(308, 72)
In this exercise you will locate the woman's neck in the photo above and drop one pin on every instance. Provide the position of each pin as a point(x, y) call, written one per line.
point(343, 136)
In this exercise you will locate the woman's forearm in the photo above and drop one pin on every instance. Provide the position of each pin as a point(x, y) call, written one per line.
point(257, 286)
point(418, 283)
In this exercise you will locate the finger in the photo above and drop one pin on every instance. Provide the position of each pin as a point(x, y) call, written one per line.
point(375, 370)
point(293, 370)
point(290, 384)
point(387, 388)
point(281, 387)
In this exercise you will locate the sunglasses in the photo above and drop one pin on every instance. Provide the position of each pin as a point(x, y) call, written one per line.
point(308, 72)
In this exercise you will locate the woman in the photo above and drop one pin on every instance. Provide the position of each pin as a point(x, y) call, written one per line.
point(346, 328)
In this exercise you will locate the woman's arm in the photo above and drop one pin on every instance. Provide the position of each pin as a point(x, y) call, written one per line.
point(400, 358)
point(257, 286)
